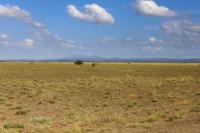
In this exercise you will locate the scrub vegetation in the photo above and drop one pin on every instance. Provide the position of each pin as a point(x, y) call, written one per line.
point(107, 98)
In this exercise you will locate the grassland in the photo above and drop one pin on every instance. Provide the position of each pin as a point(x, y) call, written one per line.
point(109, 98)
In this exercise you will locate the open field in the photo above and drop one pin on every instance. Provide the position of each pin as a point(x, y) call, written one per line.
point(109, 98)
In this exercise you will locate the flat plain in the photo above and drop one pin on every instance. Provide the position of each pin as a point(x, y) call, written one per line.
point(107, 98)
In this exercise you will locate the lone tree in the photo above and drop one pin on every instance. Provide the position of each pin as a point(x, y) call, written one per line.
point(93, 64)
point(78, 62)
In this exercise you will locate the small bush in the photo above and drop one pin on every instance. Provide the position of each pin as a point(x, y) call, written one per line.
point(13, 125)
point(2, 100)
point(131, 104)
point(18, 108)
point(21, 112)
point(41, 120)
point(172, 118)
point(153, 117)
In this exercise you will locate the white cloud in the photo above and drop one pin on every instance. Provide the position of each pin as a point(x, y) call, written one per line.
point(46, 37)
point(14, 12)
point(69, 44)
point(27, 43)
point(152, 49)
point(4, 39)
point(37, 24)
point(40, 35)
point(17, 13)
point(149, 7)
point(152, 40)
point(107, 40)
point(92, 13)
point(183, 32)
point(129, 40)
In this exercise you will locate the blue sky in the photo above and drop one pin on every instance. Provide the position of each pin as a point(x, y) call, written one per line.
point(46, 29)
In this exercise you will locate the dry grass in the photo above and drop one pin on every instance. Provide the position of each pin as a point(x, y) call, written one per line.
point(111, 97)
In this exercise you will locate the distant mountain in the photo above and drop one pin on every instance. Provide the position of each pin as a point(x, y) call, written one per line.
point(134, 60)
point(101, 59)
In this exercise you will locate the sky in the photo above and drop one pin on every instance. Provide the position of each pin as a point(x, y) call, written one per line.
point(52, 29)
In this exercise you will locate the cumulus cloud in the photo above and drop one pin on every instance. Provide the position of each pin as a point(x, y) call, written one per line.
point(40, 35)
point(14, 12)
point(91, 13)
point(152, 40)
point(27, 43)
point(150, 7)
point(183, 32)
point(4, 39)
point(17, 13)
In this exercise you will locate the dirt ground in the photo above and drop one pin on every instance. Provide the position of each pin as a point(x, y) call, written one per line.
point(107, 98)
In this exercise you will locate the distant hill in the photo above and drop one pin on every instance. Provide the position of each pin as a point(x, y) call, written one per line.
point(100, 59)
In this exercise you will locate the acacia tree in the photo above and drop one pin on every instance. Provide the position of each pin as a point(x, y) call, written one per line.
point(78, 62)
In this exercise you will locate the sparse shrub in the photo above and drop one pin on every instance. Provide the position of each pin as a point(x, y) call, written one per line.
point(172, 118)
point(18, 108)
point(72, 117)
point(154, 117)
point(87, 119)
point(21, 112)
point(143, 125)
point(52, 101)
point(2, 100)
point(41, 120)
point(80, 119)
point(13, 125)
point(78, 62)
point(131, 104)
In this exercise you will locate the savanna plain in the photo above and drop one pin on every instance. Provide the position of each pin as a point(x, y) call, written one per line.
point(108, 98)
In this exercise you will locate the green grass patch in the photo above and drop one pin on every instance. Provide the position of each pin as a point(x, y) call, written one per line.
point(13, 125)
point(41, 120)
